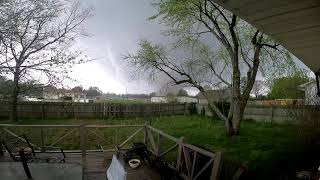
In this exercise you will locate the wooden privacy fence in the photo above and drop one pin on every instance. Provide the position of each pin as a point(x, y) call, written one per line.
point(43, 110)
point(186, 156)
point(291, 114)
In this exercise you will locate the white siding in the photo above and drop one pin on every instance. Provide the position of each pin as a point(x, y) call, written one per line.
point(311, 97)
point(159, 99)
point(187, 100)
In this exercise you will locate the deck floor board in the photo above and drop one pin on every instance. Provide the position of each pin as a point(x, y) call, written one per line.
point(97, 164)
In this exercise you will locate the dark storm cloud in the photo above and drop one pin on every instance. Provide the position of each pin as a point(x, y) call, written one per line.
point(115, 29)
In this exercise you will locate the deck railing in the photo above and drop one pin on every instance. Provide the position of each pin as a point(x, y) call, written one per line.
point(186, 156)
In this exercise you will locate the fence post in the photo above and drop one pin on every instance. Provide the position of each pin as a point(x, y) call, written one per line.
point(272, 113)
point(42, 139)
point(42, 111)
point(173, 109)
point(100, 110)
point(159, 109)
point(145, 133)
point(158, 145)
point(83, 145)
point(216, 168)
point(104, 110)
point(182, 140)
point(73, 112)
point(116, 137)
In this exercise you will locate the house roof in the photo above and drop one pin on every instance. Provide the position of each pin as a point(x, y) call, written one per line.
point(295, 24)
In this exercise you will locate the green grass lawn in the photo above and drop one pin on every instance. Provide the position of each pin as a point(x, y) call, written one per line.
point(259, 145)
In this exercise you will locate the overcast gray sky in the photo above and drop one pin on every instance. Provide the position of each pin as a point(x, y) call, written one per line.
point(115, 29)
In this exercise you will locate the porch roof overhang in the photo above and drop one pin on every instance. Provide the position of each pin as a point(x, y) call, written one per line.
point(295, 24)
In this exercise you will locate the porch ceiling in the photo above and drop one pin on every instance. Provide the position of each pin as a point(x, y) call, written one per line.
point(295, 24)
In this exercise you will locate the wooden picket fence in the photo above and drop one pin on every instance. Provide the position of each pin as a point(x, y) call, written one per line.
point(47, 110)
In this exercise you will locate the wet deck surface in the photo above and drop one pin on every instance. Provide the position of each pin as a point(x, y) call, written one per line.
point(61, 171)
point(96, 166)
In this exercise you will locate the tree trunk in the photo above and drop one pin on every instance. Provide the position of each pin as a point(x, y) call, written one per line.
point(229, 127)
point(237, 116)
point(15, 94)
point(236, 95)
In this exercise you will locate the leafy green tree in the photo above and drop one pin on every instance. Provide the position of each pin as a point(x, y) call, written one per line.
point(77, 89)
point(94, 92)
point(6, 87)
point(30, 88)
point(222, 50)
point(287, 87)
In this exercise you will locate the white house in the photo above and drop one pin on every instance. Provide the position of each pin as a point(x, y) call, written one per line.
point(180, 99)
point(185, 99)
point(310, 91)
point(80, 98)
point(159, 99)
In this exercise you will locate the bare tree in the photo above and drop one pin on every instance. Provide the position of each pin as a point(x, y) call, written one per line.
point(36, 40)
point(238, 53)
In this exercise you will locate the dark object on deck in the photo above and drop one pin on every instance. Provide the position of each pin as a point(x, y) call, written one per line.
point(303, 175)
point(25, 164)
point(140, 150)
point(13, 148)
point(1, 150)
point(51, 159)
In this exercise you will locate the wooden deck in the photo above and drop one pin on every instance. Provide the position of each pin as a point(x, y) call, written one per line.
point(97, 164)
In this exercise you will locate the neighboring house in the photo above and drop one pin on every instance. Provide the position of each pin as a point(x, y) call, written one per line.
point(159, 99)
point(185, 99)
point(51, 94)
point(310, 91)
point(214, 95)
point(82, 97)
point(136, 97)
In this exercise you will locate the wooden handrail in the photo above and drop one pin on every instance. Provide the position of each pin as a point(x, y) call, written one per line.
point(184, 151)
point(199, 150)
point(69, 126)
point(48, 126)
point(190, 146)
point(163, 134)
point(112, 126)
